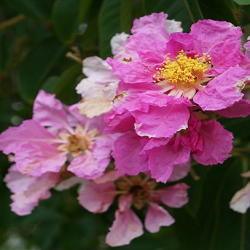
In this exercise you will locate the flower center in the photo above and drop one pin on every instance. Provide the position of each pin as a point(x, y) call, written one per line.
point(77, 143)
point(184, 71)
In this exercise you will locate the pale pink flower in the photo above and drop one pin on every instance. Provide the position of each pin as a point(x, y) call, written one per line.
point(57, 134)
point(28, 191)
point(241, 200)
point(97, 195)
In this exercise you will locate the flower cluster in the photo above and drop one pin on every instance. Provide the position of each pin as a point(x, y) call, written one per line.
point(151, 107)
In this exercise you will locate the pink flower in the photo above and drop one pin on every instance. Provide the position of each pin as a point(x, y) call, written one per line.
point(57, 134)
point(207, 141)
point(97, 197)
point(192, 68)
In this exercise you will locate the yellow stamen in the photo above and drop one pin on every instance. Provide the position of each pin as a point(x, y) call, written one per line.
point(183, 71)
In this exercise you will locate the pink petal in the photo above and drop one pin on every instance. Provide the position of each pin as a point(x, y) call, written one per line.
point(217, 144)
point(218, 31)
point(97, 198)
point(162, 120)
point(238, 109)
point(28, 131)
point(180, 171)
point(110, 176)
point(150, 23)
point(97, 71)
point(125, 228)
point(174, 196)
point(162, 160)
point(128, 160)
point(223, 91)
point(48, 111)
point(31, 190)
point(156, 217)
point(38, 158)
point(85, 166)
point(241, 200)
point(133, 72)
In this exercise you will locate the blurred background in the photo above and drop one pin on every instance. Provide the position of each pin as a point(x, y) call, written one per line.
point(40, 41)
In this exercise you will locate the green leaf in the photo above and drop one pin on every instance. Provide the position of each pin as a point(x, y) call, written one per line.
point(37, 66)
point(242, 2)
point(218, 10)
point(38, 9)
point(214, 226)
point(65, 86)
point(194, 10)
point(67, 15)
point(126, 16)
point(108, 25)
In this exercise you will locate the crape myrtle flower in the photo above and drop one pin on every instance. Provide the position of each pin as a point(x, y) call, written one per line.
point(241, 200)
point(28, 190)
point(58, 134)
point(99, 88)
point(206, 140)
point(96, 196)
point(204, 68)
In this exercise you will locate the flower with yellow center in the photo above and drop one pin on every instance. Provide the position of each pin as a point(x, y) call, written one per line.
point(184, 74)
point(78, 142)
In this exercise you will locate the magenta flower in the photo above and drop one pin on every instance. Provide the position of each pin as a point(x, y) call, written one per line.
point(56, 135)
point(96, 196)
point(207, 141)
point(171, 74)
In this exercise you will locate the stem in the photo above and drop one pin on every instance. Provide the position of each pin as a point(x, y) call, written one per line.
point(74, 57)
point(194, 175)
point(12, 21)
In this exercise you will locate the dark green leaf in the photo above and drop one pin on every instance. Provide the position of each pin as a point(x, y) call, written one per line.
point(67, 16)
point(37, 65)
point(65, 86)
point(109, 25)
point(126, 16)
point(194, 10)
point(38, 9)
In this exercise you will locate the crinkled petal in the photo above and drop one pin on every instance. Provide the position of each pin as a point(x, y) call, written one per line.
point(162, 160)
point(241, 200)
point(180, 171)
point(217, 144)
point(38, 158)
point(218, 31)
point(28, 131)
point(69, 182)
point(97, 198)
point(48, 111)
point(223, 91)
point(125, 228)
point(110, 176)
point(128, 159)
point(116, 41)
point(98, 71)
point(156, 217)
point(175, 196)
point(31, 190)
point(238, 109)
